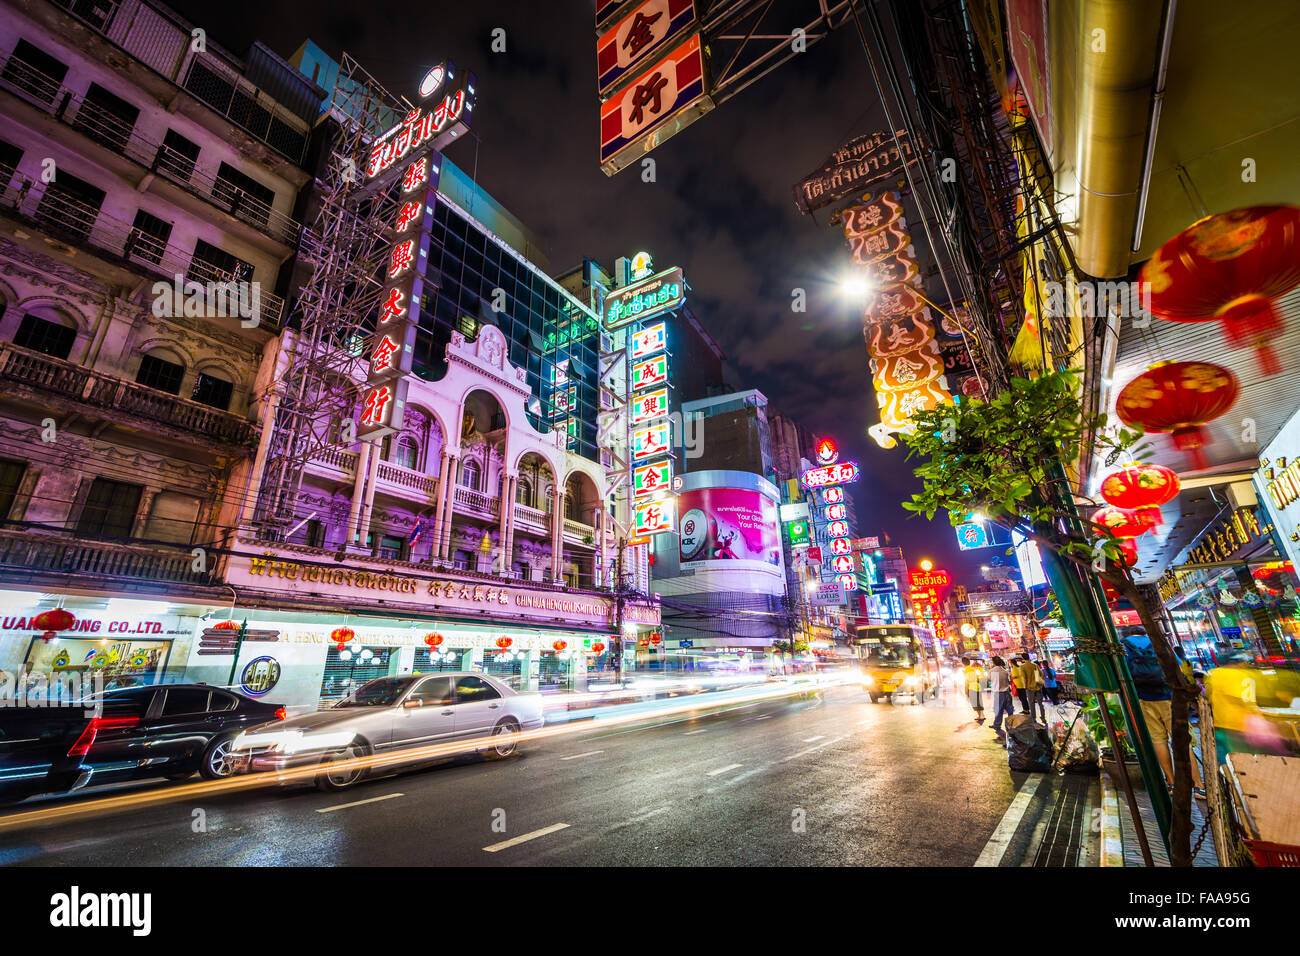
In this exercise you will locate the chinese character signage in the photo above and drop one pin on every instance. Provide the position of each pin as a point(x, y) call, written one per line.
point(632, 41)
point(654, 517)
point(650, 442)
point(644, 299)
point(648, 341)
point(652, 478)
point(649, 406)
point(650, 372)
point(664, 99)
point(427, 128)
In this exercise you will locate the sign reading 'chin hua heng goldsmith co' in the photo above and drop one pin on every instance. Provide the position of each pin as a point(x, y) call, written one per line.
point(305, 579)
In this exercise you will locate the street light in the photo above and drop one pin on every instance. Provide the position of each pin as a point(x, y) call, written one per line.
point(855, 287)
point(926, 564)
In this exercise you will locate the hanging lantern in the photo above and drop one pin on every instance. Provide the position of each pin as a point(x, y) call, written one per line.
point(504, 642)
point(1142, 488)
point(1123, 523)
point(56, 619)
point(340, 636)
point(1230, 268)
point(433, 640)
point(226, 626)
point(1128, 553)
point(1179, 397)
point(559, 646)
point(598, 647)
point(656, 638)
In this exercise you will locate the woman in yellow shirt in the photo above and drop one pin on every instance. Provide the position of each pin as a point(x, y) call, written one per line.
point(974, 675)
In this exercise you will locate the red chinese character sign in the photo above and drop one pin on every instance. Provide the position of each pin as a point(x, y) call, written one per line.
point(663, 100)
point(634, 40)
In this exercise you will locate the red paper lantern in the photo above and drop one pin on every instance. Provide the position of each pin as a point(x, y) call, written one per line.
point(1179, 397)
point(225, 626)
point(55, 619)
point(1142, 488)
point(503, 642)
point(1230, 268)
point(1128, 552)
point(1123, 523)
point(656, 638)
point(559, 646)
point(341, 636)
point(597, 647)
point(433, 640)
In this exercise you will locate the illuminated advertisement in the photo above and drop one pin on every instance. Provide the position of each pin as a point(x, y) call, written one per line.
point(652, 478)
point(654, 517)
point(651, 441)
point(649, 405)
point(651, 372)
point(648, 341)
point(727, 525)
point(631, 42)
point(842, 473)
point(645, 299)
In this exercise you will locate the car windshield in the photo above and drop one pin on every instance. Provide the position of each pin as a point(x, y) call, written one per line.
point(890, 652)
point(381, 692)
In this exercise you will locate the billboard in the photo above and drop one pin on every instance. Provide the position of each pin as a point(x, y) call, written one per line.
point(633, 41)
point(735, 526)
point(829, 595)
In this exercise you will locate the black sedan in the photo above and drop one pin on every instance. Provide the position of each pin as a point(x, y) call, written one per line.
point(171, 730)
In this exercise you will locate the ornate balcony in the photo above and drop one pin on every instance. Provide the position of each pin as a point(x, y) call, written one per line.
point(426, 485)
point(30, 374)
point(67, 553)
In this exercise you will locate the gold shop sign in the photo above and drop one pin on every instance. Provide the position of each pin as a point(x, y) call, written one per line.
point(1285, 487)
point(1228, 537)
point(271, 566)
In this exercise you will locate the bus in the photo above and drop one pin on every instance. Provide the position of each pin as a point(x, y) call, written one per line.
point(897, 659)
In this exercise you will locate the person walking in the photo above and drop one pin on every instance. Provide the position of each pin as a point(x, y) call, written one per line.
point(1000, 686)
point(1156, 700)
point(1020, 682)
point(974, 676)
point(1033, 688)
point(1051, 686)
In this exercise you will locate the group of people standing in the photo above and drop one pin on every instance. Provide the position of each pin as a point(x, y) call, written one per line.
point(1029, 681)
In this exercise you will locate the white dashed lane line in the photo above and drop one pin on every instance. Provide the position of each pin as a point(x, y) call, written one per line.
point(533, 835)
point(714, 773)
point(813, 740)
point(691, 732)
point(357, 803)
point(589, 753)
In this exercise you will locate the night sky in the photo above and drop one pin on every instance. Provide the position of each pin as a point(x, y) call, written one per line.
point(721, 207)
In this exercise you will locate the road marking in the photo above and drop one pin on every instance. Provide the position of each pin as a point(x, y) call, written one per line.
point(357, 803)
point(804, 753)
point(813, 740)
point(996, 848)
point(589, 753)
point(506, 844)
point(689, 732)
point(714, 773)
point(647, 816)
point(765, 716)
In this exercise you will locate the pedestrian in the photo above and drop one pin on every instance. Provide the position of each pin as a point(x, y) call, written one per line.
point(974, 687)
point(1051, 686)
point(1034, 687)
point(1155, 698)
point(1000, 686)
point(1020, 682)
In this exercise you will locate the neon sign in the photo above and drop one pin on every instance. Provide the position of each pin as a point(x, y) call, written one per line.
point(659, 293)
point(828, 453)
point(839, 474)
point(833, 496)
point(651, 339)
point(417, 129)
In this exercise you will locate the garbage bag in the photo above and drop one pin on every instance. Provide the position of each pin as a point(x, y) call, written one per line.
point(1076, 753)
point(1029, 747)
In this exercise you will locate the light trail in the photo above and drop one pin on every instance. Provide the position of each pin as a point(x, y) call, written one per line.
point(101, 806)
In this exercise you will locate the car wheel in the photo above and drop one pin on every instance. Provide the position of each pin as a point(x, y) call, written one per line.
point(216, 760)
point(499, 751)
point(875, 698)
point(342, 779)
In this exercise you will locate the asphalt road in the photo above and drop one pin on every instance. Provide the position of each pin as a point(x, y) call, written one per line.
point(828, 781)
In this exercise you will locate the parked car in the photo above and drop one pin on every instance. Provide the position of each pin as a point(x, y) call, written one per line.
point(388, 715)
point(36, 751)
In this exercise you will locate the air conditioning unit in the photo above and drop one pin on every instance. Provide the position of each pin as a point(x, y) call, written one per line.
point(606, 343)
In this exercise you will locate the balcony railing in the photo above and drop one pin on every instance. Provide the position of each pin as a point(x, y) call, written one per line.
point(46, 374)
point(64, 552)
point(417, 481)
point(477, 500)
point(115, 134)
point(532, 517)
point(76, 222)
point(345, 461)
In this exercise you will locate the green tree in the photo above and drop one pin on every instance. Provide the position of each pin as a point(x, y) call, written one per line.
point(1008, 458)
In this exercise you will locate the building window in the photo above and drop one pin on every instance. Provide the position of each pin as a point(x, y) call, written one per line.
point(524, 492)
point(106, 118)
point(11, 475)
point(155, 372)
point(70, 205)
point(35, 72)
point(244, 196)
point(211, 264)
point(470, 473)
point(390, 547)
point(10, 155)
point(210, 390)
point(460, 560)
point(315, 533)
point(44, 336)
point(406, 453)
point(110, 508)
point(177, 156)
point(149, 235)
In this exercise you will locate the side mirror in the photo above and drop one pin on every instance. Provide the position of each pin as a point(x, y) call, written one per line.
point(412, 702)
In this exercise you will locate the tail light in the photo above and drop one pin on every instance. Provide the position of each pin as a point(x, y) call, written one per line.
point(281, 714)
point(87, 738)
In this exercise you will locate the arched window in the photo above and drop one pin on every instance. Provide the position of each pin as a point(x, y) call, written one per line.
point(212, 390)
point(407, 453)
point(571, 504)
point(48, 333)
point(470, 473)
point(159, 369)
point(524, 492)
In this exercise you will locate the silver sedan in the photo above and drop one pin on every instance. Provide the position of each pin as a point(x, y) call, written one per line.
point(388, 715)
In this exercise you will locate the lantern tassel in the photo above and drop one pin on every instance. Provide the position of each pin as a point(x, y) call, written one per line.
point(1254, 322)
point(1191, 439)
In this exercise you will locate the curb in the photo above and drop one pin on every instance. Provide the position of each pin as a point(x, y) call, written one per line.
point(1112, 837)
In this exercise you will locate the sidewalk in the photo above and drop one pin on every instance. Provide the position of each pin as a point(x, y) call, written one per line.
point(1120, 846)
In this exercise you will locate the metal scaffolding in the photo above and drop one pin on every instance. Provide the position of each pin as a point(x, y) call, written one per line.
point(344, 244)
